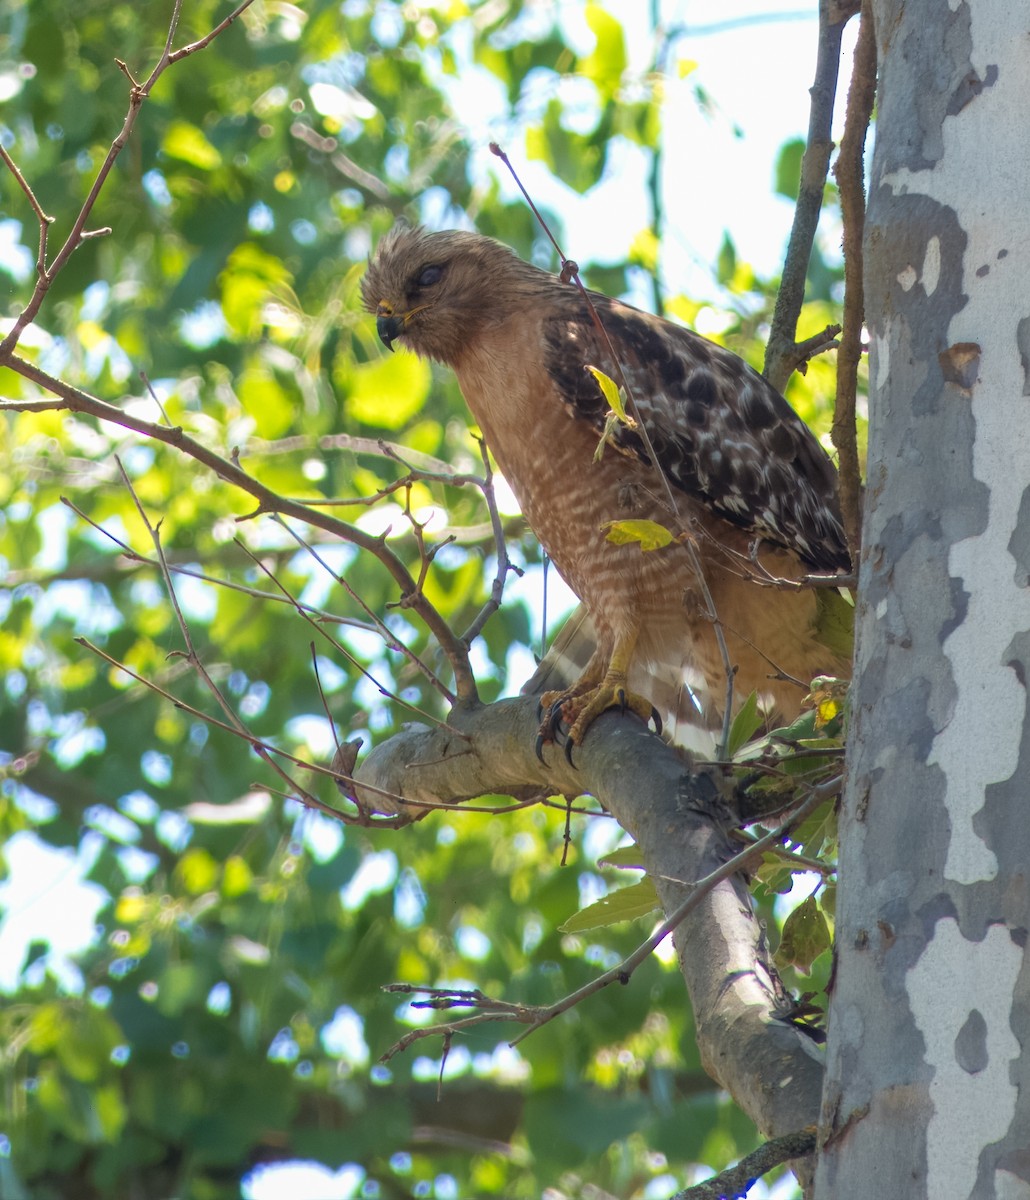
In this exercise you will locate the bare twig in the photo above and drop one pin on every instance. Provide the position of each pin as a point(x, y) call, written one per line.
point(504, 565)
point(266, 748)
point(342, 650)
point(78, 233)
point(720, 638)
point(818, 343)
point(44, 221)
point(780, 352)
point(849, 173)
point(268, 502)
point(192, 657)
point(393, 642)
point(536, 1016)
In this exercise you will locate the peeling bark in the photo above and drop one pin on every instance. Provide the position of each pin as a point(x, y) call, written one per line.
point(928, 1060)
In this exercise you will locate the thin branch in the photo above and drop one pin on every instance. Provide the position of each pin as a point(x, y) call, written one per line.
point(137, 559)
point(850, 178)
point(384, 631)
point(736, 1182)
point(536, 1016)
point(720, 638)
point(268, 502)
point(192, 657)
point(780, 352)
point(193, 47)
point(44, 221)
point(343, 651)
point(267, 748)
point(504, 565)
point(818, 343)
point(78, 233)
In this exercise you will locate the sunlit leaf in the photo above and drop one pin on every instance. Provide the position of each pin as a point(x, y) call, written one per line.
point(187, 142)
point(388, 391)
point(625, 904)
point(649, 535)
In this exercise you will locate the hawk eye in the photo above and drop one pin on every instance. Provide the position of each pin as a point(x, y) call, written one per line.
point(430, 276)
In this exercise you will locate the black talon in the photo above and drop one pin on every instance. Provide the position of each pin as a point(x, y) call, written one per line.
point(656, 717)
point(554, 720)
point(540, 748)
point(570, 745)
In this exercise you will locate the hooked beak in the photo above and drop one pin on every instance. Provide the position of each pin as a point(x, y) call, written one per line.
point(389, 325)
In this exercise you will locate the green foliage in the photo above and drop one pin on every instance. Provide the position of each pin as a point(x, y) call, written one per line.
point(227, 1010)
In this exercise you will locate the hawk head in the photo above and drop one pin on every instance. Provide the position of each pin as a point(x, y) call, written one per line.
point(438, 290)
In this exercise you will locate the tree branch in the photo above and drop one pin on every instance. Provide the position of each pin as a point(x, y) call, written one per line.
point(268, 502)
point(781, 352)
point(78, 233)
point(737, 1181)
point(850, 176)
point(679, 820)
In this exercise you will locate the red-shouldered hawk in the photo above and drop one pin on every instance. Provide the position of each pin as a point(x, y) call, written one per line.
point(753, 489)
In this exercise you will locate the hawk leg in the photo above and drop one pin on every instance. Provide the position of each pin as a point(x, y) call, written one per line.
point(601, 686)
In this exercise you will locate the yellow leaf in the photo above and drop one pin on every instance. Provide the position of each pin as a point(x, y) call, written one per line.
point(611, 393)
point(649, 534)
point(644, 250)
point(264, 399)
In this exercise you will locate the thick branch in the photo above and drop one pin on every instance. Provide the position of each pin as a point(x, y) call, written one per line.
point(673, 813)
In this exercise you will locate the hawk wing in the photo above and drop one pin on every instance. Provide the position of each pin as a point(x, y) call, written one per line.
point(719, 431)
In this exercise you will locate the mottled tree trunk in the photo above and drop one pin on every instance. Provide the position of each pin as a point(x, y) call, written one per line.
point(928, 1068)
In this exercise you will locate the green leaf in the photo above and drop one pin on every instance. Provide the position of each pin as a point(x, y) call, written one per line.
point(774, 874)
point(805, 936)
point(197, 871)
point(387, 392)
point(745, 724)
point(726, 263)
point(626, 904)
point(625, 856)
point(788, 168)
point(267, 402)
point(187, 143)
point(607, 63)
point(576, 158)
point(250, 277)
point(649, 535)
point(835, 622)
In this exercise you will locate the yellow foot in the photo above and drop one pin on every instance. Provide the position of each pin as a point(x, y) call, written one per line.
point(578, 708)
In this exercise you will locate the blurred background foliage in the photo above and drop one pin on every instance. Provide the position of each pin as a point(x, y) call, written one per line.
point(221, 1006)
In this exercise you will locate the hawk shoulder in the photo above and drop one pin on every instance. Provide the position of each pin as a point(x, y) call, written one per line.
point(721, 433)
